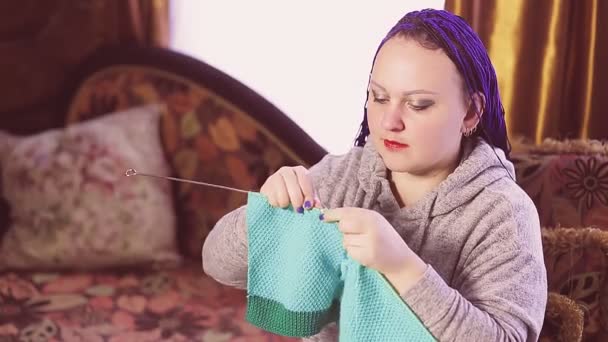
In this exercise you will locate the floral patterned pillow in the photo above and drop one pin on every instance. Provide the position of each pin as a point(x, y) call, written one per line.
point(73, 207)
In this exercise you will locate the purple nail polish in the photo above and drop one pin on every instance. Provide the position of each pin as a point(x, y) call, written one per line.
point(307, 205)
point(300, 210)
point(321, 217)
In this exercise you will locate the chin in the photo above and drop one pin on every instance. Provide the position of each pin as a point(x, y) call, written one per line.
point(396, 163)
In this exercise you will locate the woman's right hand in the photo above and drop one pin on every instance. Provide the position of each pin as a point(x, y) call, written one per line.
point(291, 185)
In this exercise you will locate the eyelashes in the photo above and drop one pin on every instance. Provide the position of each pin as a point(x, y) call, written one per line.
point(414, 106)
point(380, 100)
point(419, 108)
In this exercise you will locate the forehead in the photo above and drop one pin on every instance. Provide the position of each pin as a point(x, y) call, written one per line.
point(403, 64)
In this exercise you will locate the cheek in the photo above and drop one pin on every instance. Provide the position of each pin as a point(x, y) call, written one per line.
point(374, 119)
point(446, 120)
point(429, 125)
point(434, 133)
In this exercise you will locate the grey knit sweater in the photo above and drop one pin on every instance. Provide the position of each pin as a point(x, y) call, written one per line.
point(477, 230)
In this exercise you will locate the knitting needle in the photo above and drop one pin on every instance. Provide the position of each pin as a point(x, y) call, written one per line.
point(133, 172)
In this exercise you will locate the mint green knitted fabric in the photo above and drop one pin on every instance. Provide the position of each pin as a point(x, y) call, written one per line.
point(300, 279)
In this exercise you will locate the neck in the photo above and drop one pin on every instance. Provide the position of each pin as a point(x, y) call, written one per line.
point(408, 188)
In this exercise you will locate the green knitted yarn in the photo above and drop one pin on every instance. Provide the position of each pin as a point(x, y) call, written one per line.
point(300, 279)
point(273, 316)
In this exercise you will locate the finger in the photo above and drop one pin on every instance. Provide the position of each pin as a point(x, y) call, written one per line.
point(281, 193)
point(306, 185)
point(353, 240)
point(268, 191)
point(272, 200)
point(336, 215)
point(345, 219)
point(350, 227)
point(359, 254)
point(293, 189)
point(330, 215)
point(317, 203)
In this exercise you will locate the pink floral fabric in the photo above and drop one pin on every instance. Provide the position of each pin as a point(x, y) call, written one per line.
point(124, 305)
point(72, 205)
point(206, 137)
point(569, 190)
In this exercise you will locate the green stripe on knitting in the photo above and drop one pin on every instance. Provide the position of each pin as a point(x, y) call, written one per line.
point(272, 316)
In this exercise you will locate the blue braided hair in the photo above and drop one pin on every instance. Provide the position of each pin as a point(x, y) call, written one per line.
point(439, 29)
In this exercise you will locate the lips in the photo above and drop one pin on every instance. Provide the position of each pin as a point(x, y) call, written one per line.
point(394, 145)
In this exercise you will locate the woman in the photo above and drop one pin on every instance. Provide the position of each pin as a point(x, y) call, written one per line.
point(427, 195)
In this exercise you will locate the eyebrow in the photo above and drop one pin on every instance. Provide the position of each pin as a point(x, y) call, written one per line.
point(406, 93)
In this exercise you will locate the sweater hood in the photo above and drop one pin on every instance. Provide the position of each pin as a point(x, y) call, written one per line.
point(479, 167)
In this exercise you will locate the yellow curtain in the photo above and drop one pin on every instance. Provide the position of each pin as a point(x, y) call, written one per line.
point(551, 58)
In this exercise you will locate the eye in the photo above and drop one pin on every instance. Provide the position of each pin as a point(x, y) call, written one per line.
point(419, 107)
point(379, 99)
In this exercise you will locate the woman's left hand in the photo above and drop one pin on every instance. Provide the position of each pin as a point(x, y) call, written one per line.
point(372, 241)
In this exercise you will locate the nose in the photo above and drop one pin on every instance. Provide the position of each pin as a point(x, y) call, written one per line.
point(392, 120)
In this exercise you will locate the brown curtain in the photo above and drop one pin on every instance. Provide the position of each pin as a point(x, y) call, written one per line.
point(41, 42)
point(551, 58)
point(144, 22)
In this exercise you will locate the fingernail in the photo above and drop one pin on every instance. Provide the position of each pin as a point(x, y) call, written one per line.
point(307, 205)
point(300, 210)
point(321, 217)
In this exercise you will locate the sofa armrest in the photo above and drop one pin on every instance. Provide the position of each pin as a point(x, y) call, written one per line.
point(563, 320)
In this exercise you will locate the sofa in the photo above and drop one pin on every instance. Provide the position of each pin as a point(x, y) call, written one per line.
point(129, 267)
point(133, 107)
point(568, 182)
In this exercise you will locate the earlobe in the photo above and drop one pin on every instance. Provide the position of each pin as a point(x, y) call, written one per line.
point(474, 114)
point(467, 132)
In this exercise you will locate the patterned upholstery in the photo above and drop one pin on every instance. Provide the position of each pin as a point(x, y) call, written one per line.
point(123, 305)
point(576, 261)
point(568, 182)
point(207, 137)
point(569, 186)
point(214, 129)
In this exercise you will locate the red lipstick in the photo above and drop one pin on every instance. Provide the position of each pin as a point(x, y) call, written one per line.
point(394, 145)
